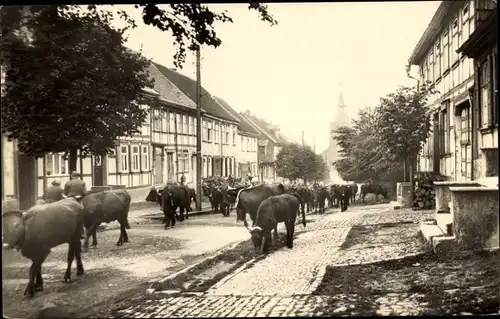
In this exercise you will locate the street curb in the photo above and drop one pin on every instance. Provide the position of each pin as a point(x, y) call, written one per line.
point(152, 290)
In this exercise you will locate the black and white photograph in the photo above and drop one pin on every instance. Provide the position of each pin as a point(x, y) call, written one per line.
point(227, 159)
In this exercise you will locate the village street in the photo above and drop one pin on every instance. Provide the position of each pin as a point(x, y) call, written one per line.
point(283, 283)
point(115, 272)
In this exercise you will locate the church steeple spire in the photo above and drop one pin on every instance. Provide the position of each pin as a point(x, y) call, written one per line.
point(341, 103)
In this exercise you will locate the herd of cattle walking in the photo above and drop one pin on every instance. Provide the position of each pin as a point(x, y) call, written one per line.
point(68, 220)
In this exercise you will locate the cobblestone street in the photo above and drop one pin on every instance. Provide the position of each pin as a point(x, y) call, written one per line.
point(281, 284)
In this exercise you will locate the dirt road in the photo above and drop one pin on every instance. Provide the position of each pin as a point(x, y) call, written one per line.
point(113, 273)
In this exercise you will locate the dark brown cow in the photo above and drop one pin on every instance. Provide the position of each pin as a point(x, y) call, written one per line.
point(41, 228)
point(105, 207)
point(274, 210)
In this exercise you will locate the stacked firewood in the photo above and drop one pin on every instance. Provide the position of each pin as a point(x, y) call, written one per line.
point(425, 196)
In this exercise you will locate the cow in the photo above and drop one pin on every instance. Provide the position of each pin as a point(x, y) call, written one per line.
point(274, 210)
point(167, 207)
point(105, 207)
point(321, 193)
point(332, 196)
point(191, 198)
point(178, 198)
point(249, 199)
point(305, 197)
point(354, 191)
point(374, 188)
point(41, 228)
point(215, 198)
point(343, 193)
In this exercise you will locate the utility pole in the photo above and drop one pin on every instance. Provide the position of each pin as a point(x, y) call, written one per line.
point(314, 144)
point(198, 131)
point(176, 149)
point(302, 138)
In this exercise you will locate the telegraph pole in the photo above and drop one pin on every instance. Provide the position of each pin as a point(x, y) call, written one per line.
point(198, 130)
point(302, 138)
point(314, 144)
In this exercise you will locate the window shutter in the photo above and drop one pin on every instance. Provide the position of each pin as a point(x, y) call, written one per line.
point(129, 158)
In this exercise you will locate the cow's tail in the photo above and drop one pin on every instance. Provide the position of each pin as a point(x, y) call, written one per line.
point(238, 197)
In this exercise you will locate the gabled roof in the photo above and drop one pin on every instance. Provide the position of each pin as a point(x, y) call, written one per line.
point(244, 126)
point(167, 90)
point(188, 87)
point(268, 129)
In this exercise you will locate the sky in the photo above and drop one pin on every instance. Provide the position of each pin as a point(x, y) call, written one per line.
point(291, 74)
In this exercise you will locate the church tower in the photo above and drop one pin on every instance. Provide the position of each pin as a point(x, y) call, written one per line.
point(340, 119)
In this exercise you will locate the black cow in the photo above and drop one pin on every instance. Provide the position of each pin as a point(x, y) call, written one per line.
point(343, 193)
point(178, 197)
point(249, 200)
point(354, 191)
point(105, 207)
point(191, 198)
point(376, 189)
point(333, 201)
point(215, 198)
point(321, 196)
point(274, 210)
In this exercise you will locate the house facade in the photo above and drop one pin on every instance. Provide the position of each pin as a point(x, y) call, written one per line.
point(246, 142)
point(269, 144)
point(452, 150)
point(219, 128)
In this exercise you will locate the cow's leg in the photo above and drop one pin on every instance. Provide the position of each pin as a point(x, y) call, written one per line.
point(173, 218)
point(71, 257)
point(267, 243)
point(275, 233)
point(39, 280)
point(94, 239)
point(30, 288)
point(78, 257)
point(181, 213)
point(89, 232)
point(120, 239)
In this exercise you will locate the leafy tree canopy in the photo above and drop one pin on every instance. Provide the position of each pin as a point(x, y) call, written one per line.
point(296, 161)
point(69, 82)
point(403, 121)
point(362, 158)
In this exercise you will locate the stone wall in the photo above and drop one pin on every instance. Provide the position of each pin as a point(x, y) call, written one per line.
point(475, 217)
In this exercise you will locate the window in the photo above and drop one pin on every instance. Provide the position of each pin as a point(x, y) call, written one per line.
point(456, 76)
point(227, 136)
point(446, 50)
point(186, 124)
point(156, 120)
point(466, 126)
point(59, 164)
point(485, 93)
point(178, 128)
point(234, 136)
point(432, 67)
point(124, 158)
point(242, 143)
point(145, 158)
point(425, 70)
point(49, 164)
point(135, 158)
point(454, 42)
point(205, 130)
point(210, 131)
point(247, 146)
point(438, 61)
point(113, 153)
point(444, 131)
point(217, 136)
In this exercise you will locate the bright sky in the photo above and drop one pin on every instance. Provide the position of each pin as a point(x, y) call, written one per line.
point(290, 74)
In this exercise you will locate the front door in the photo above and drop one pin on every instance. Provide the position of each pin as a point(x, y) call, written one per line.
point(26, 180)
point(170, 167)
point(98, 171)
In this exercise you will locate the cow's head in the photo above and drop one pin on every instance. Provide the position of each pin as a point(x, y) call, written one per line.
point(256, 236)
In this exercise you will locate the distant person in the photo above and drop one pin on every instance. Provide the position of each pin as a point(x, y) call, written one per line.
point(75, 187)
point(183, 179)
point(54, 192)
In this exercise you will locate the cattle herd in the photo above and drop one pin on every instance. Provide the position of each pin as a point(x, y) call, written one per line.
point(45, 226)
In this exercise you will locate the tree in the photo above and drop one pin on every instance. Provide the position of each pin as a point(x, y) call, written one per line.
point(320, 171)
point(362, 158)
point(191, 24)
point(70, 83)
point(403, 123)
point(295, 161)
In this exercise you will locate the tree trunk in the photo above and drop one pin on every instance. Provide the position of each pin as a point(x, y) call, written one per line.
point(412, 181)
point(73, 156)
